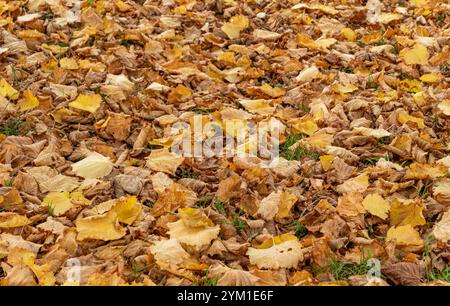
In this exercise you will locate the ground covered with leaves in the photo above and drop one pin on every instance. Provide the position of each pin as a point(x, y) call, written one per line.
point(91, 193)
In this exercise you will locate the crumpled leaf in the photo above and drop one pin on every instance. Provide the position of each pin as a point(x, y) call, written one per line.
point(101, 227)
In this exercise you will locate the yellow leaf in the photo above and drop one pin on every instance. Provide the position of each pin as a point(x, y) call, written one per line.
point(308, 127)
point(343, 89)
point(286, 254)
point(89, 103)
point(320, 140)
point(403, 117)
point(235, 26)
point(59, 202)
point(7, 91)
point(417, 55)
point(11, 220)
point(55, 49)
point(68, 63)
point(356, 184)
point(430, 78)
point(407, 212)
point(28, 102)
point(404, 235)
point(410, 85)
point(101, 227)
point(43, 273)
point(389, 17)
point(272, 92)
point(423, 171)
point(325, 42)
point(193, 217)
point(349, 34)
point(419, 3)
point(227, 57)
point(193, 236)
point(420, 98)
point(93, 166)
point(259, 106)
point(306, 41)
point(164, 161)
point(127, 209)
point(179, 94)
point(287, 201)
point(376, 205)
point(326, 161)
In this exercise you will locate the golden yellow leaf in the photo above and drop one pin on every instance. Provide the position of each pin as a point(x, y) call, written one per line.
point(11, 220)
point(418, 54)
point(127, 209)
point(287, 201)
point(423, 171)
point(68, 63)
point(349, 34)
point(389, 17)
point(164, 161)
point(271, 91)
point(405, 212)
point(343, 89)
point(319, 140)
point(306, 41)
point(101, 227)
point(43, 273)
point(376, 205)
point(7, 91)
point(404, 235)
point(89, 103)
point(93, 166)
point(193, 217)
point(430, 78)
point(193, 236)
point(259, 106)
point(235, 26)
point(403, 117)
point(28, 102)
point(326, 161)
point(227, 57)
point(58, 202)
point(307, 126)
